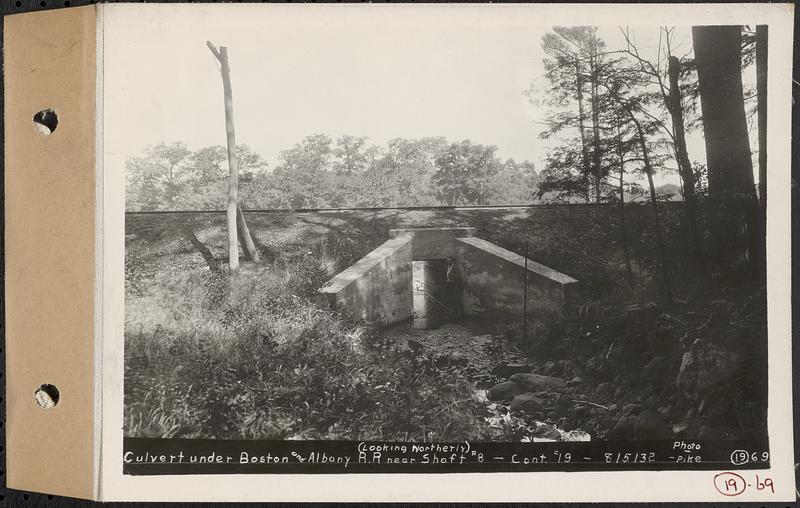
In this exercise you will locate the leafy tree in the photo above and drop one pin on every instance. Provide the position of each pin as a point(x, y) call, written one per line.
point(665, 73)
point(463, 171)
point(623, 89)
point(302, 172)
point(156, 180)
point(513, 183)
point(583, 115)
point(575, 63)
point(318, 172)
point(669, 191)
point(206, 174)
point(352, 158)
point(403, 175)
point(665, 81)
point(351, 155)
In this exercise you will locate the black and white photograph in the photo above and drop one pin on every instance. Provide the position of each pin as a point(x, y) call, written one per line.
point(444, 232)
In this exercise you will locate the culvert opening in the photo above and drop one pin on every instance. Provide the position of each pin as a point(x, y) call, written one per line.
point(436, 292)
point(46, 396)
point(45, 121)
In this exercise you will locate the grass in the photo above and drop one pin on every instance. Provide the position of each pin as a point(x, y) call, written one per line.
point(253, 357)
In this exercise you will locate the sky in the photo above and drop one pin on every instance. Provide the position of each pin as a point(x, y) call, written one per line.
point(428, 71)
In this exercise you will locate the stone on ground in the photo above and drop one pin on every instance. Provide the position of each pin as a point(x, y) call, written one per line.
point(706, 367)
point(538, 383)
point(504, 391)
point(527, 403)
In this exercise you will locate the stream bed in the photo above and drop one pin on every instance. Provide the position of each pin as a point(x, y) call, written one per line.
point(489, 359)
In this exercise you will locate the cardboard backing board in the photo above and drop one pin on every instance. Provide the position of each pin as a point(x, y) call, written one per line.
point(50, 250)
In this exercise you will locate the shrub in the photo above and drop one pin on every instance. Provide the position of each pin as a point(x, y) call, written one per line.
point(252, 357)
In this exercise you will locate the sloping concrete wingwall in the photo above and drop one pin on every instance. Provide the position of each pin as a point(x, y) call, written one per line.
point(494, 280)
point(378, 288)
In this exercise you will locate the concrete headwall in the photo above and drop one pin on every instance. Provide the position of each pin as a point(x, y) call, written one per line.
point(433, 243)
point(378, 288)
point(494, 280)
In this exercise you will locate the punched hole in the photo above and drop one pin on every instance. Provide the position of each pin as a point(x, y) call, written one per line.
point(46, 396)
point(45, 121)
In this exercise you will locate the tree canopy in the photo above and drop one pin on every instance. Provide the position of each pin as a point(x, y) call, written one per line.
point(320, 172)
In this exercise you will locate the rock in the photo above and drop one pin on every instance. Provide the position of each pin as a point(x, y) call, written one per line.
point(631, 409)
point(667, 397)
point(526, 403)
point(504, 391)
point(706, 367)
point(545, 431)
point(650, 424)
point(597, 364)
point(603, 392)
point(651, 401)
point(537, 382)
point(655, 370)
point(506, 370)
point(548, 367)
point(450, 358)
point(575, 381)
point(679, 429)
point(459, 358)
point(715, 406)
point(563, 402)
point(622, 431)
point(678, 410)
point(612, 407)
point(604, 421)
point(580, 412)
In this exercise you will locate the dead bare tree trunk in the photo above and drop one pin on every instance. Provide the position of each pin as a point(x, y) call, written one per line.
point(250, 251)
point(671, 96)
point(675, 107)
point(648, 168)
point(676, 113)
point(233, 164)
